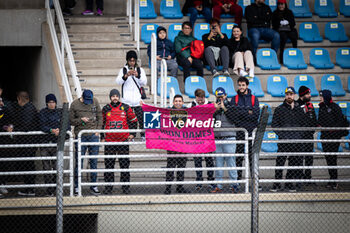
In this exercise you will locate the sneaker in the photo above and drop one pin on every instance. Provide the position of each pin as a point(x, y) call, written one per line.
point(88, 12)
point(94, 190)
point(143, 138)
point(49, 194)
point(275, 188)
point(215, 73)
point(235, 188)
point(182, 190)
point(226, 73)
point(99, 12)
point(167, 190)
point(198, 187)
point(216, 190)
point(66, 12)
point(76, 190)
point(26, 193)
point(290, 188)
point(4, 191)
point(242, 73)
point(335, 186)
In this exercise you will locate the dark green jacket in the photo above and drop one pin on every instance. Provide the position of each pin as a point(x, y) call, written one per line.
point(181, 41)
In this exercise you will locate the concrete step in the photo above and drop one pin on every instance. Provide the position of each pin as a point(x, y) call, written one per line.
point(99, 37)
point(98, 28)
point(127, 44)
point(98, 63)
point(99, 53)
point(106, 19)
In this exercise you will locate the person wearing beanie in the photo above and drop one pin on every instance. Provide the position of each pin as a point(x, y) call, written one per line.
point(311, 121)
point(165, 50)
point(131, 78)
point(117, 115)
point(330, 115)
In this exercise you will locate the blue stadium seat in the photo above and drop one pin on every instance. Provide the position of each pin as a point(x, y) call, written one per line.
point(319, 58)
point(269, 110)
point(225, 82)
point(267, 59)
point(342, 57)
point(319, 144)
point(147, 10)
point(244, 4)
point(344, 8)
point(170, 9)
point(227, 29)
point(269, 147)
point(174, 30)
point(349, 84)
point(200, 29)
point(272, 4)
point(334, 32)
point(325, 9)
point(344, 107)
point(171, 82)
point(332, 82)
point(316, 108)
point(347, 144)
point(192, 83)
point(255, 87)
point(276, 85)
point(300, 8)
point(147, 30)
point(305, 80)
point(293, 58)
point(309, 32)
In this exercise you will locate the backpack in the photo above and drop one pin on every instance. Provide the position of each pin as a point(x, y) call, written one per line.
point(197, 48)
point(252, 99)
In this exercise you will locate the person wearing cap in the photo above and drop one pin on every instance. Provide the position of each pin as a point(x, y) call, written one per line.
point(131, 78)
point(118, 116)
point(225, 114)
point(289, 115)
point(330, 115)
point(165, 50)
point(283, 22)
point(85, 113)
point(310, 115)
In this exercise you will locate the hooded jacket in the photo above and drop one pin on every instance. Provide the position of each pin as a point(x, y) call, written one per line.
point(278, 15)
point(330, 115)
point(181, 41)
point(164, 47)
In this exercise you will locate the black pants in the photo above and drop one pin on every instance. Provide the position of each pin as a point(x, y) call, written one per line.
point(139, 114)
point(186, 65)
point(26, 165)
point(89, 4)
point(209, 162)
point(49, 165)
point(69, 3)
point(124, 163)
point(308, 159)
point(331, 159)
point(293, 36)
point(240, 150)
point(176, 163)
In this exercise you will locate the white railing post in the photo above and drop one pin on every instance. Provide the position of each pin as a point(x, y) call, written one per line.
point(137, 25)
point(154, 67)
point(163, 90)
point(129, 13)
point(171, 96)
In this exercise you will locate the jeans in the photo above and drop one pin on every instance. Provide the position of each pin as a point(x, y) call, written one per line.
point(224, 57)
point(264, 33)
point(206, 12)
point(171, 65)
point(230, 161)
point(93, 150)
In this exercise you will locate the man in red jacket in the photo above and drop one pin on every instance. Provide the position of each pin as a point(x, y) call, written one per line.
point(117, 115)
point(227, 7)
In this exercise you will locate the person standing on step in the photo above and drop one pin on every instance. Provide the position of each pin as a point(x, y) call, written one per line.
point(68, 7)
point(90, 7)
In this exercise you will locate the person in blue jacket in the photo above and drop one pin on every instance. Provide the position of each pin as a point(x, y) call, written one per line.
point(165, 50)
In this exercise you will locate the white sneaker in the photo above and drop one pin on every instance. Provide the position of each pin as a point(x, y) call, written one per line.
point(94, 190)
point(4, 191)
point(143, 139)
point(242, 73)
point(251, 73)
point(1, 196)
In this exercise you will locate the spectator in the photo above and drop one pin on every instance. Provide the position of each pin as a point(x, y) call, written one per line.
point(310, 115)
point(24, 118)
point(241, 53)
point(85, 113)
point(248, 114)
point(165, 50)
point(258, 16)
point(330, 115)
point(283, 22)
point(224, 114)
point(117, 115)
point(184, 58)
point(227, 7)
point(289, 114)
point(50, 118)
point(89, 7)
point(132, 77)
point(209, 161)
point(176, 162)
point(215, 44)
point(196, 7)
point(68, 7)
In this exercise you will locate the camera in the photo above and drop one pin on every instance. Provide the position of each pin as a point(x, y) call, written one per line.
point(213, 28)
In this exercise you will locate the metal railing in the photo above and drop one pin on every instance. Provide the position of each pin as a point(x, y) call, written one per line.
point(154, 70)
point(163, 83)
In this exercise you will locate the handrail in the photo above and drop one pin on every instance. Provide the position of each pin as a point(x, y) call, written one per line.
point(163, 83)
point(137, 26)
point(154, 67)
point(171, 95)
point(64, 49)
point(129, 13)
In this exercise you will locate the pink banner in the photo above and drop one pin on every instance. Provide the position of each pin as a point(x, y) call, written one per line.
point(182, 130)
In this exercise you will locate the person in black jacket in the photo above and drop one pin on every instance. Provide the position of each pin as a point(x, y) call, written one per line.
point(196, 7)
point(330, 115)
point(284, 23)
point(258, 16)
point(215, 44)
point(288, 115)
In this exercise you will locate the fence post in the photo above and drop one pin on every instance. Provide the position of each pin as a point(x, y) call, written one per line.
point(255, 170)
point(60, 164)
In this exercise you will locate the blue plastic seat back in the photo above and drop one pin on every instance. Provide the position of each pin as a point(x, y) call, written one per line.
point(170, 9)
point(147, 30)
point(276, 85)
point(269, 147)
point(319, 58)
point(267, 59)
point(335, 32)
point(171, 83)
point(269, 110)
point(343, 106)
point(316, 108)
point(200, 29)
point(319, 144)
point(325, 9)
point(174, 30)
point(305, 80)
point(255, 87)
point(347, 144)
point(272, 4)
point(226, 83)
point(192, 83)
point(332, 82)
point(342, 57)
point(309, 32)
point(349, 84)
point(147, 10)
point(344, 8)
point(300, 8)
point(227, 29)
point(244, 4)
point(293, 58)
